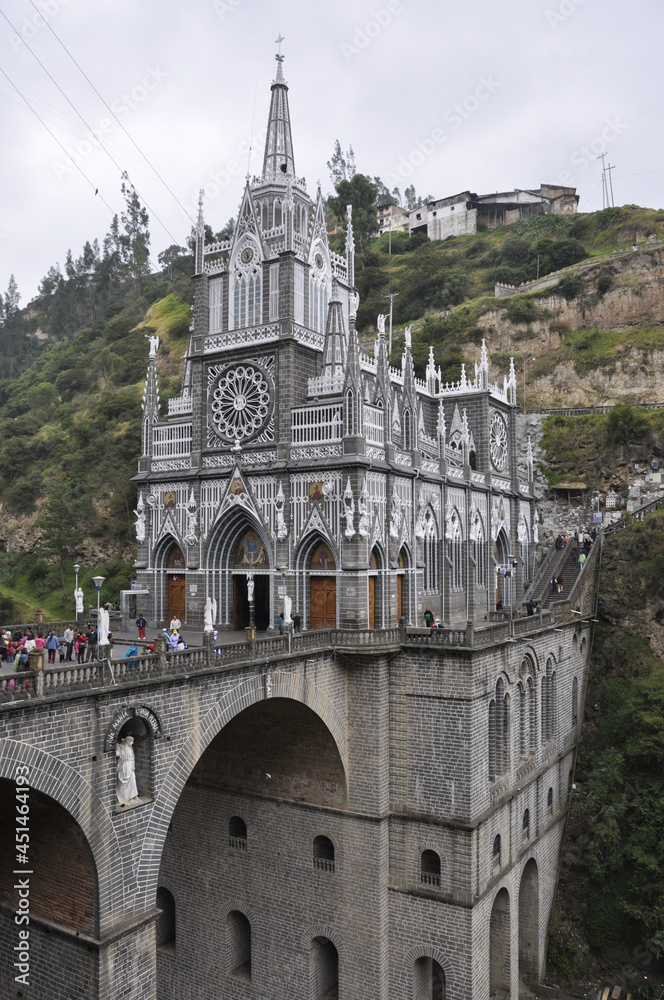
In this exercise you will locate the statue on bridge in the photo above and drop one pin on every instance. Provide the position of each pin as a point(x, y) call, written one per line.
point(78, 597)
point(126, 791)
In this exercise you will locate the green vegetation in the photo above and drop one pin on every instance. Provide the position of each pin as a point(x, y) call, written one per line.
point(27, 583)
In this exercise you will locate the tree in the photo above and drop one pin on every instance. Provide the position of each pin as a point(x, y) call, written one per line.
point(11, 330)
point(341, 165)
point(385, 196)
point(59, 521)
point(410, 197)
point(135, 241)
point(361, 193)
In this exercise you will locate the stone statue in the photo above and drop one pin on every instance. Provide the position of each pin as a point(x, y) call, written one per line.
point(250, 587)
point(407, 337)
point(126, 787)
point(140, 522)
point(365, 518)
point(210, 614)
point(78, 596)
point(395, 514)
point(288, 604)
point(154, 345)
point(103, 627)
point(190, 536)
point(279, 502)
point(349, 511)
point(381, 325)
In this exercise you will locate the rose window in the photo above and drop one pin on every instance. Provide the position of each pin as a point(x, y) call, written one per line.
point(498, 442)
point(240, 402)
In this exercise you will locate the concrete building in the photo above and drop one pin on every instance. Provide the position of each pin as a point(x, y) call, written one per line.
point(466, 213)
point(394, 217)
point(368, 810)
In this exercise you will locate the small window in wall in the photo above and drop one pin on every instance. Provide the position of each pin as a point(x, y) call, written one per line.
point(430, 868)
point(549, 801)
point(496, 861)
point(165, 925)
point(237, 833)
point(526, 824)
point(323, 854)
point(238, 939)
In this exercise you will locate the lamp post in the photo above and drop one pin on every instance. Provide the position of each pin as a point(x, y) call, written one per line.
point(98, 580)
point(525, 362)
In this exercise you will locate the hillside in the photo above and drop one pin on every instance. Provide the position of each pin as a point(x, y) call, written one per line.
point(596, 337)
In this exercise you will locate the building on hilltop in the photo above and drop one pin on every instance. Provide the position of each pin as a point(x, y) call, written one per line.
point(466, 213)
point(365, 811)
point(295, 464)
point(392, 218)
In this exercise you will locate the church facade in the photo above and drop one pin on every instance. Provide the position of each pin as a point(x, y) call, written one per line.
point(296, 464)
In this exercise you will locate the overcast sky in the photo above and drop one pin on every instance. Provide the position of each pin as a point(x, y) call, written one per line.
point(445, 94)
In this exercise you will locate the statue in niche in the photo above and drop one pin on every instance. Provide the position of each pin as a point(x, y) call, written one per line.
point(288, 604)
point(126, 791)
point(365, 517)
point(78, 597)
point(250, 587)
point(154, 345)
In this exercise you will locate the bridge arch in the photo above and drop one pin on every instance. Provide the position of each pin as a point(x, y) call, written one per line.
point(60, 782)
point(251, 691)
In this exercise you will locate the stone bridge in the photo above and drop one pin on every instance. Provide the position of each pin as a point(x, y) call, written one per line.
point(292, 793)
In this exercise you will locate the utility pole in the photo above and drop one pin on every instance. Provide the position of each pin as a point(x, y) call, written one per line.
point(608, 170)
point(391, 297)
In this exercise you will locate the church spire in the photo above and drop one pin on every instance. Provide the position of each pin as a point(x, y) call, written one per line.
point(278, 162)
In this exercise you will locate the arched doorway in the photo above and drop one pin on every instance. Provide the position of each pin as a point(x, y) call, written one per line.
point(63, 893)
point(529, 970)
point(248, 807)
point(324, 969)
point(240, 552)
point(499, 944)
point(177, 581)
point(429, 979)
point(375, 589)
point(323, 588)
point(403, 585)
point(251, 557)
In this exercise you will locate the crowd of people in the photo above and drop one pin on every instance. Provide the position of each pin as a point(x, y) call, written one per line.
point(73, 646)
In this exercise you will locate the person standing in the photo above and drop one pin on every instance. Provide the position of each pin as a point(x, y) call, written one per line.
point(51, 645)
point(582, 560)
point(175, 623)
point(91, 644)
point(141, 625)
point(297, 622)
point(68, 639)
point(428, 618)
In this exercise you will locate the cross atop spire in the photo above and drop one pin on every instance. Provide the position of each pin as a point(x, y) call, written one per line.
point(280, 60)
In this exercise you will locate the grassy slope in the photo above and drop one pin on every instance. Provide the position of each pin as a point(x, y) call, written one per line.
point(459, 274)
point(74, 416)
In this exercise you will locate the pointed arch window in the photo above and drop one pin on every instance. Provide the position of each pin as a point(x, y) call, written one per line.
point(430, 545)
point(277, 213)
point(247, 298)
point(216, 302)
point(318, 297)
point(456, 557)
point(407, 429)
point(499, 717)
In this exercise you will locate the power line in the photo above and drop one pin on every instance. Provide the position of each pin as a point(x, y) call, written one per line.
point(111, 112)
point(79, 115)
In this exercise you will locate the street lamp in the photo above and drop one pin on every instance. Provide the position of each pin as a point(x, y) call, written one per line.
point(98, 580)
point(525, 362)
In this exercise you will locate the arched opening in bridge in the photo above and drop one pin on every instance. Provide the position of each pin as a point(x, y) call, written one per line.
point(499, 943)
point(165, 926)
point(63, 895)
point(529, 925)
point(274, 772)
point(429, 979)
